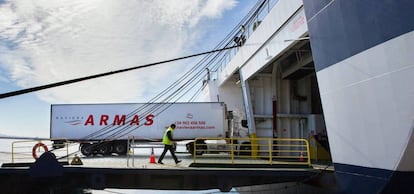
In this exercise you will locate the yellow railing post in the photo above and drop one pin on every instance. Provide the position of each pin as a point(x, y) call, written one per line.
point(12, 152)
point(194, 149)
point(253, 145)
point(270, 151)
point(67, 150)
point(232, 151)
point(307, 152)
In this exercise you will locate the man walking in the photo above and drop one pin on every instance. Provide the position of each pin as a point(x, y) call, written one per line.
point(168, 141)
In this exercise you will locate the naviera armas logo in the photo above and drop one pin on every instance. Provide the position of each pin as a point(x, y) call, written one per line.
point(72, 120)
point(104, 120)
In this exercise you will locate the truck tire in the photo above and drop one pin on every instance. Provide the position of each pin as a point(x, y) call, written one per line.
point(190, 148)
point(104, 148)
point(200, 148)
point(57, 144)
point(245, 149)
point(86, 149)
point(120, 148)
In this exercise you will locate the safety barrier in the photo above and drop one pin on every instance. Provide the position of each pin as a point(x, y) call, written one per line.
point(132, 145)
point(29, 150)
point(318, 152)
point(269, 151)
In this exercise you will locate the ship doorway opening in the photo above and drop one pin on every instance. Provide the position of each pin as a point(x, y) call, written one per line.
point(286, 101)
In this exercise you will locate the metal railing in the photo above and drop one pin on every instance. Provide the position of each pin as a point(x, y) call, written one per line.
point(30, 150)
point(270, 151)
point(248, 29)
point(132, 145)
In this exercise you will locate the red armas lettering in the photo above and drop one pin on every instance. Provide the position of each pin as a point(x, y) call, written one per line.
point(104, 119)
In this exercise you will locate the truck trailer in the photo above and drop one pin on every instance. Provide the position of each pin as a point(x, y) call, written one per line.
point(107, 128)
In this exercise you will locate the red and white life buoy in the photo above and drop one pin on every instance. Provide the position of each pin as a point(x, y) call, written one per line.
point(37, 146)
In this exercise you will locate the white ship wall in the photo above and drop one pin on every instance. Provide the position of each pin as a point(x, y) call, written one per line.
point(276, 34)
point(268, 40)
point(380, 139)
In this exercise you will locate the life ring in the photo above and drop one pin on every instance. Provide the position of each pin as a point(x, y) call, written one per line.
point(35, 147)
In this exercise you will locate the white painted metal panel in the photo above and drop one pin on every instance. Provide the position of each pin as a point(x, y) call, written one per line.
point(265, 41)
point(375, 83)
point(281, 40)
point(79, 121)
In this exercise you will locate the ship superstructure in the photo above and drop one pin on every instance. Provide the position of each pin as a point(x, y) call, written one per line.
point(338, 70)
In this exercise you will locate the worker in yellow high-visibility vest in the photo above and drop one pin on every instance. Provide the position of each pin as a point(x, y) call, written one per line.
point(168, 142)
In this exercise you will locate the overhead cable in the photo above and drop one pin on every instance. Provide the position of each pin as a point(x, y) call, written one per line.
point(37, 88)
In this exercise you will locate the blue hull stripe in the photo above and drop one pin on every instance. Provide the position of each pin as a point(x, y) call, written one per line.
point(342, 28)
point(357, 179)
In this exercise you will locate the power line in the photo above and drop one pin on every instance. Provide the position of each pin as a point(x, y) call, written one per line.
point(183, 84)
point(186, 80)
point(47, 86)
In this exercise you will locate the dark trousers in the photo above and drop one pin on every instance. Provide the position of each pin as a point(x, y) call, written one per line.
point(166, 148)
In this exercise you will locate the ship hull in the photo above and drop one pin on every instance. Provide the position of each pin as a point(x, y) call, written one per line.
point(364, 65)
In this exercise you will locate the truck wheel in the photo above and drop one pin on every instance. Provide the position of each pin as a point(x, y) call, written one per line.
point(120, 148)
point(86, 149)
point(245, 149)
point(104, 148)
point(57, 144)
point(190, 148)
point(199, 151)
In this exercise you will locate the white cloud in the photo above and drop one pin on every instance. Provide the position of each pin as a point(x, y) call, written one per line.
point(44, 41)
point(212, 8)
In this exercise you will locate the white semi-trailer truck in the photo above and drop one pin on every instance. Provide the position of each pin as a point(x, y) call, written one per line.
point(106, 128)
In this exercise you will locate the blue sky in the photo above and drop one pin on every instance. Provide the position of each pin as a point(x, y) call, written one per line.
point(44, 41)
